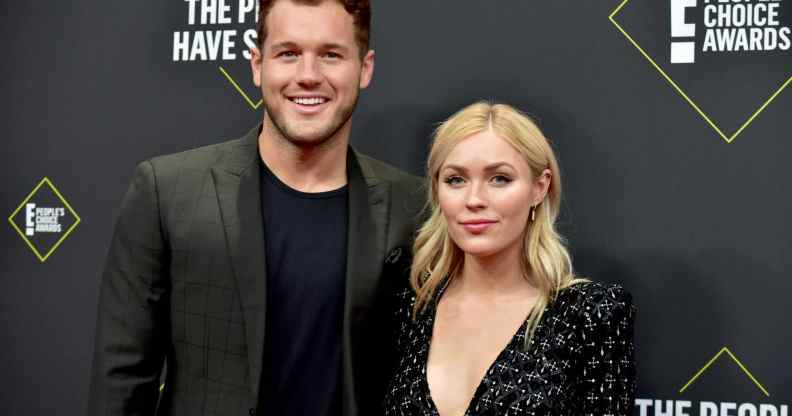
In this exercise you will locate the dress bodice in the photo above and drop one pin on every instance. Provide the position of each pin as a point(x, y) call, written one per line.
point(579, 362)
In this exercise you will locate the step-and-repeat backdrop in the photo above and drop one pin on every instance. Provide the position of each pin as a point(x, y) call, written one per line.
point(671, 119)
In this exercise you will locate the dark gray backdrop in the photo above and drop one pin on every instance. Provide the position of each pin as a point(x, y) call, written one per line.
point(697, 229)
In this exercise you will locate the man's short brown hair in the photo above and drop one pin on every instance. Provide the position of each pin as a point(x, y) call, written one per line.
point(359, 9)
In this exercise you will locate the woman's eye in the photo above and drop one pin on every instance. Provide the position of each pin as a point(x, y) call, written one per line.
point(454, 180)
point(500, 179)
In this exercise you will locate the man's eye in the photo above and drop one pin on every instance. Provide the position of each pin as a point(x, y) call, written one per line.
point(332, 55)
point(454, 180)
point(287, 54)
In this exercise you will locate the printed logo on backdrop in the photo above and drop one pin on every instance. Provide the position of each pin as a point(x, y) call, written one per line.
point(221, 32)
point(728, 59)
point(728, 27)
point(44, 219)
point(734, 381)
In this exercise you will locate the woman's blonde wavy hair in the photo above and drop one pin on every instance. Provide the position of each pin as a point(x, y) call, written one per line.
point(545, 263)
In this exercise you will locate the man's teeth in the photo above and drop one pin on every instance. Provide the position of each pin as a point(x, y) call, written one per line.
point(309, 100)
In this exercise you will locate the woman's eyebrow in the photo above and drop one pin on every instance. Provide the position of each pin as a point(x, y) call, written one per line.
point(488, 168)
point(497, 165)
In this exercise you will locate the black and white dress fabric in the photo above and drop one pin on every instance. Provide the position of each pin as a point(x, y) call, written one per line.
point(580, 361)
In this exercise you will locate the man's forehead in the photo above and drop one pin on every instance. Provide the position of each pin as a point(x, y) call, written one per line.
point(327, 13)
point(322, 23)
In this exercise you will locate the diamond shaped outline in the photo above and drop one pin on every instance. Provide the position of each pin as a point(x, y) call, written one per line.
point(241, 92)
point(736, 360)
point(727, 139)
point(63, 237)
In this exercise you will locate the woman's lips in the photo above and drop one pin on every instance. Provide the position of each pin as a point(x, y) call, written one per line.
point(477, 227)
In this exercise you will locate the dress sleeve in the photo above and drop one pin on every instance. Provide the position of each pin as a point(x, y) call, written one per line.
point(402, 318)
point(607, 380)
point(396, 271)
point(399, 319)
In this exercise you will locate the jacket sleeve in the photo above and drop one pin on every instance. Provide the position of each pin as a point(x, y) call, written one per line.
point(607, 380)
point(133, 314)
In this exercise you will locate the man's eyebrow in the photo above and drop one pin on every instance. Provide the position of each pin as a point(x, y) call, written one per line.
point(336, 46)
point(325, 46)
point(284, 45)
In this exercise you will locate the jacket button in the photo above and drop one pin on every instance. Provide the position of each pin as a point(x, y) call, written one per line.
point(394, 255)
point(252, 412)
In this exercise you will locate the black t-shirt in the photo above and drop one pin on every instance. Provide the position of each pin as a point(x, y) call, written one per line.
point(305, 242)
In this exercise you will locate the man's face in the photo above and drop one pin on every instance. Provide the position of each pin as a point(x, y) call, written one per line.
point(310, 71)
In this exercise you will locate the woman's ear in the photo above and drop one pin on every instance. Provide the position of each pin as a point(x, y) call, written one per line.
point(542, 186)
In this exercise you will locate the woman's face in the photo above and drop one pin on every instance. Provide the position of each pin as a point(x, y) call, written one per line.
point(485, 191)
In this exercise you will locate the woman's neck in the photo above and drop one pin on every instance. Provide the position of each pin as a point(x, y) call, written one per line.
point(496, 276)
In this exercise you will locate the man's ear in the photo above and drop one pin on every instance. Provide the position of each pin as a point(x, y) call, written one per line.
point(367, 69)
point(255, 65)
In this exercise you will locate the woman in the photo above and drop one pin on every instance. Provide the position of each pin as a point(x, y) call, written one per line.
point(496, 323)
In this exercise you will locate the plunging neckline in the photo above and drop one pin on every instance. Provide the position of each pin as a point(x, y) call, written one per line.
point(425, 359)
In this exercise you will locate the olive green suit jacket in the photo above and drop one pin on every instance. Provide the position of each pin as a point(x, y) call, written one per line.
point(183, 291)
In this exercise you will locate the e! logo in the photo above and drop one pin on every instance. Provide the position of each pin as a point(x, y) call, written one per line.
point(44, 219)
point(30, 215)
point(682, 52)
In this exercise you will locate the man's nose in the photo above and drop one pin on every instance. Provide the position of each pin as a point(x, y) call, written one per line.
point(309, 73)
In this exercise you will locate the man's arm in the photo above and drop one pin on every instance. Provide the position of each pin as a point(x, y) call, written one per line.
point(133, 323)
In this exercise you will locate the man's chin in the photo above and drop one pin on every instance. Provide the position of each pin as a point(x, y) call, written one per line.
point(308, 137)
point(312, 131)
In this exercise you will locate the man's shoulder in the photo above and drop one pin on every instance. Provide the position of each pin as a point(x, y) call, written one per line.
point(407, 191)
point(387, 172)
point(185, 167)
point(200, 158)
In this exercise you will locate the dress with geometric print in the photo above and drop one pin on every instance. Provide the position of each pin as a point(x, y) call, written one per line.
point(579, 362)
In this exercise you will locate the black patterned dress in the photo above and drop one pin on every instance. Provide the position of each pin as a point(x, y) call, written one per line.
point(580, 361)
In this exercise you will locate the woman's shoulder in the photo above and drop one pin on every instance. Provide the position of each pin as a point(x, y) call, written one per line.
point(590, 288)
point(602, 300)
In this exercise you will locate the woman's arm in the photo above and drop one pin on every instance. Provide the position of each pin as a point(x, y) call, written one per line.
point(606, 383)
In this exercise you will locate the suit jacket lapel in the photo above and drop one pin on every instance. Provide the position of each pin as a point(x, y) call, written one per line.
point(366, 240)
point(238, 187)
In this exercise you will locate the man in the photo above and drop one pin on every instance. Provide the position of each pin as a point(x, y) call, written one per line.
point(251, 269)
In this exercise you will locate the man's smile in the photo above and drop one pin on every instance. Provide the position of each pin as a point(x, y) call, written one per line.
point(309, 104)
